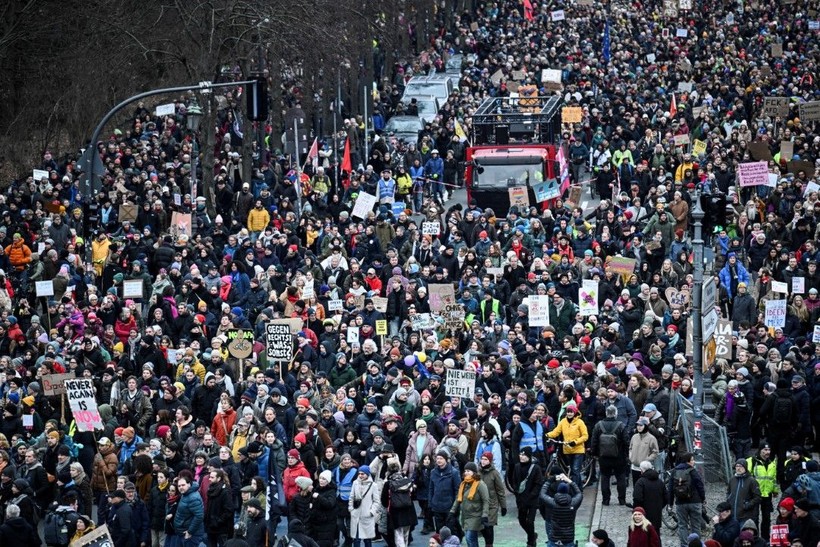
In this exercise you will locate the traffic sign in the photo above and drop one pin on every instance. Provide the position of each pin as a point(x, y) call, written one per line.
point(709, 323)
point(709, 295)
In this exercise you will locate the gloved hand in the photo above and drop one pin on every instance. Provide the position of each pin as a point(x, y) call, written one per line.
point(503, 511)
point(485, 522)
point(571, 443)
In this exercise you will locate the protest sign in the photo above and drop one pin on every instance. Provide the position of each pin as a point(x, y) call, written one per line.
point(308, 291)
point(779, 536)
point(780, 287)
point(753, 173)
point(775, 106)
point(44, 288)
point(809, 111)
point(681, 140)
point(181, 224)
point(430, 228)
point(453, 315)
point(775, 313)
point(699, 147)
point(166, 109)
point(98, 537)
point(798, 285)
point(681, 33)
point(685, 4)
point(495, 272)
point(39, 174)
point(422, 321)
point(460, 383)
point(777, 50)
point(795, 166)
point(546, 190)
point(814, 25)
point(364, 205)
point(279, 342)
point(440, 295)
point(399, 207)
point(80, 392)
point(381, 327)
point(670, 8)
point(815, 337)
point(787, 150)
point(335, 305)
point(539, 310)
point(723, 339)
point(572, 114)
point(352, 335)
point(685, 87)
point(519, 196)
point(622, 266)
point(54, 384)
point(132, 288)
point(760, 151)
point(558, 15)
point(588, 297)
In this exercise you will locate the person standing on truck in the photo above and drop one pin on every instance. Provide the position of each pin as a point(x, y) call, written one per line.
point(434, 171)
point(578, 155)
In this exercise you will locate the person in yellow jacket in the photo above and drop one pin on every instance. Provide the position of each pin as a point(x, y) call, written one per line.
point(574, 432)
point(99, 252)
point(258, 219)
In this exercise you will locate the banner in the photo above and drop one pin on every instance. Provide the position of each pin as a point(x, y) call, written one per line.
point(80, 392)
point(810, 111)
point(279, 342)
point(588, 297)
point(539, 310)
point(460, 383)
point(775, 313)
point(753, 174)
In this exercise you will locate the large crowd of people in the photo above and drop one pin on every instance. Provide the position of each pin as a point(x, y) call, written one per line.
point(356, 438)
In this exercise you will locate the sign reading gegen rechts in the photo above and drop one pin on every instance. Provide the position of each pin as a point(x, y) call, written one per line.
point(279, 342)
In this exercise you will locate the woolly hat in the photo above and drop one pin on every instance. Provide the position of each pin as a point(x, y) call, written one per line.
point(366, 470)
point(639, 510)
point(162, 431)
point(300, 437)
point(303, 483)
point(128, 433)
point(326, 475)
point(787, 503)
point(293, 453)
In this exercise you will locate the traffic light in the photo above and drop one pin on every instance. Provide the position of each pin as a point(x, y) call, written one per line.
point(257, 93)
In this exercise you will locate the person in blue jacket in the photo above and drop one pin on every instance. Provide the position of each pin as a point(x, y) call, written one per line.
point(434, 170)
point(189, 520)
point(444, 483)
point(733, 273)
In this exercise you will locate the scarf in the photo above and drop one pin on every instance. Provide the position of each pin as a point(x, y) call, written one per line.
point(473, 481)
point(730, 405)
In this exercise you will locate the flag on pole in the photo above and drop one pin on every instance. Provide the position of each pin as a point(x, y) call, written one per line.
point(347, 165)
point(528, 11)
point(607, 49)
point(462, 136)
point(673, 107)
point(313, 154)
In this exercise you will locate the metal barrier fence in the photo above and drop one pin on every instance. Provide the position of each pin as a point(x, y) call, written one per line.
point(717, 458)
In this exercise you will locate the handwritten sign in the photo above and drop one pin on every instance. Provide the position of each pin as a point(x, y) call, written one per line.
point(809, 111)
point(364, 205)
point(558, 15)
point(780, 287)
point(622, 266)
point(54, 384)
point(453, 315)
point(681, 33)
point(279, 342)
point(775, 106)
point(441, 294)
point(381, 327)
point(723, 339)
point(699, 147)
point(380, 304)
point(588, 297)
point(572, 114)
point(798, 285)
point(519, 196)
point(460, 383)
point(166, 109)
point(753, 174)
point(775, 313)
point(132, 288)
point(335, 305)
point(681, 140)
point(80, 392)
point(39, 174)
point(44, 288)
point(422, 321)
point(539, 310)
point(430, 228)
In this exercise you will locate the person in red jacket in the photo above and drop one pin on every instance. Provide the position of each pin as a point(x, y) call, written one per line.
point(294, 469)
point(641, 531)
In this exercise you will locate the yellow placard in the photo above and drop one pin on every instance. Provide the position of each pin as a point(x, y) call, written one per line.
point(381, 327)
point(699, 147)
point(572, 114)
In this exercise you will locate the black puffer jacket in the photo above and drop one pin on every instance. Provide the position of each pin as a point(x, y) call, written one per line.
point(650, 493)
point(563, 507)
point(323, 514)
point(156, 508)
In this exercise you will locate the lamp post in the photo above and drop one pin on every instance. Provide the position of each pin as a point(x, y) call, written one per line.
point(697, 327)
point(193, 118)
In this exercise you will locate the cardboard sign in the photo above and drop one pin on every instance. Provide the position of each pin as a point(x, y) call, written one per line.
point(588, 297)
point(780, 287)
point(551, 75)
point(381, 327)
point(364, 205)
point(39, 174)
point(44, 288)
point(681, 140)
point(181, 224)
point(685, 87)
point(539, 310)
point(278, 342)
point(775, 313)
point(699, 147)
point(80, 392)
point(723, 339)
point(558, 15)
point(753, 174)
point(800, 165)
point(460, 383)
point(335, 305)
point(777, 50)
point(422, 321)
point(519, 196)
point(798, 285)
point(128, 211)
point(574, 197)
point(380, 304)
point(622, 266)
point(98, 537)
point(546, 190)
point(440, 295)
point(775, 106)
point(132, 288)
point(760, 151)
point(670, 8)
point(166, 109)
point(809, 111)
point(54, 384)
point(787, 150)
point(430, 228)
point(453, 315)
point(572, 114)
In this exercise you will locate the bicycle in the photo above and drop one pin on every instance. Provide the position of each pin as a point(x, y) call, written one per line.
point(557, 458)
point(668, 516)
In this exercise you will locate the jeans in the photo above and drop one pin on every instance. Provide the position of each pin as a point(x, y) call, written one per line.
point(690, 521)
point(358, 542)
point(575, 461)
point(172, 540)
point(192, 541)
point(439, 520)
point(526, 518)
point(471, 537)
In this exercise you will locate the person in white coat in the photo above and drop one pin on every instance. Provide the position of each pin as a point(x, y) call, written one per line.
point(364, 508)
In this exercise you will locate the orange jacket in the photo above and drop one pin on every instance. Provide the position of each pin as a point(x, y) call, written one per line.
point(19, 255)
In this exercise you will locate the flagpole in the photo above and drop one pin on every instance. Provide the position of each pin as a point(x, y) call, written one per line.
point(366, 151)
point(298, 171)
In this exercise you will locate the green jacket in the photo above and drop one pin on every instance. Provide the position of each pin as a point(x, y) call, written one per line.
point(472, 511)
point(765, 474)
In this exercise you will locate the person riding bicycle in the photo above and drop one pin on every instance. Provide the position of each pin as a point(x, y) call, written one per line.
point(574, 432)
point(563, 507)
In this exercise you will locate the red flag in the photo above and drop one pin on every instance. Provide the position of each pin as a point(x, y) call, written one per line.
point(313, 153)
point(528, 11)
point(673, 108)
point(346, 164)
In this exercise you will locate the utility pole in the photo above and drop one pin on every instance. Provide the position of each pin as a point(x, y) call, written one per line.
point(697, 328)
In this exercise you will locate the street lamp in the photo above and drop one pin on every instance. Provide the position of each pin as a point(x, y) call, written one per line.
point(193, 119)
point(697, 326)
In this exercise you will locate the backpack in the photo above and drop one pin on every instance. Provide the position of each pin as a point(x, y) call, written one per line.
point(782, 411)
point(682, 485)
point(608, 443)
point(55, 527)
point(401, 492)
point(285, 541)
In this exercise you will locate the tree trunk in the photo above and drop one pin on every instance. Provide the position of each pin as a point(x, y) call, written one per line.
point(207, 135)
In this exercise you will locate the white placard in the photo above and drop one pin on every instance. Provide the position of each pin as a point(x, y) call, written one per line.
point(558, 15)
point(364, 205)
point(44, 288)
point(650, 57)
point(352, 335)
point(132, 288)
point(773, 177)
point(80, 392)
point(172, 356)
point(681, 33)
point(815, 337)
point(775, 313)
point(539, 310)
point(460, 383)
point(39, 174)
point(28, 420)
point(430, 228)
point(308, 291)
point(798, 285)
point(551, 75)
point(780, 287)
point(166, 109)
point(588, 297)
point(335, 305)
point(685, 4)
point(814, 25)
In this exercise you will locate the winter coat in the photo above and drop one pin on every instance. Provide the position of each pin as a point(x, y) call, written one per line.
point(650, 493)
point(643, 536)
point(744, 495)
point(363, 519)
point(498, 493)
point(411, 459)
point(156, 507)
point(190, 513)
point(726, 532)
point(219, 513)
point(20, 533)
point(398, 517)
point(574, 431)
point(444, 485)
point(473, 510)
point(562, 507)
point(289, 479)
point(323, 521)
point(642, 447)
point(120, 525)
point(532, 478)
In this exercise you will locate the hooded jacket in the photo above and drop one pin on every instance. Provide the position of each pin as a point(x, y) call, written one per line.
point(744, 495)
point(190, 513)
point(649, 493)
point(563, 507)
